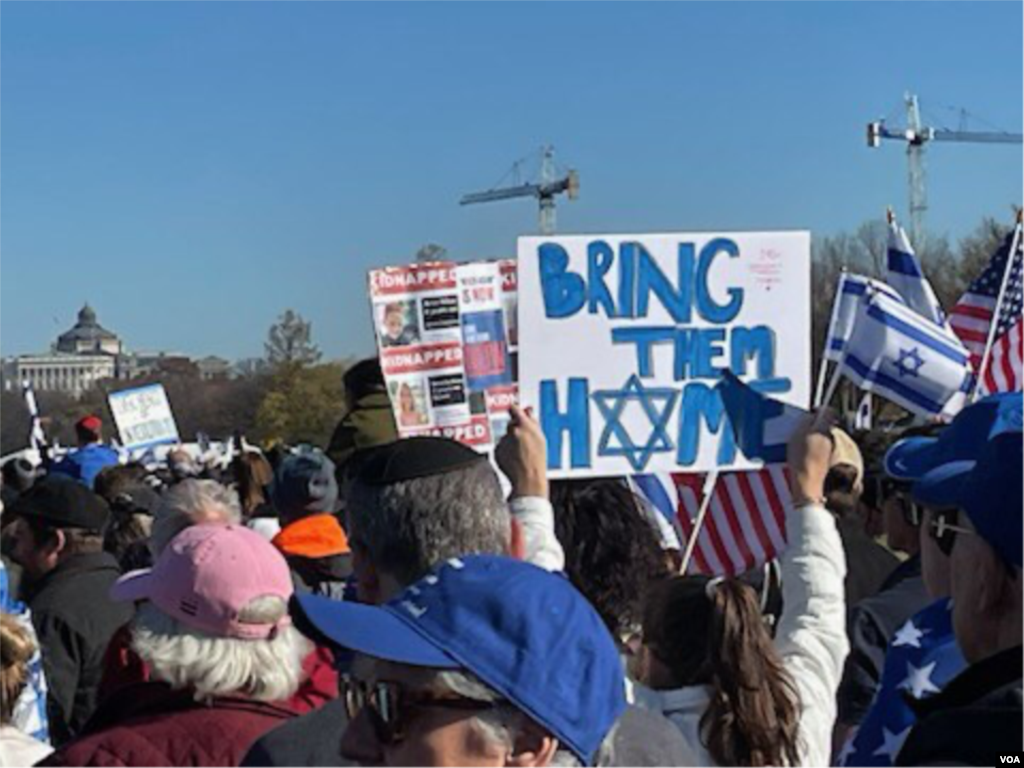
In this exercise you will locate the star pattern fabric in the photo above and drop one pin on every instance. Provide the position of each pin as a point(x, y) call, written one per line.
point(974, 315)
point(919, 680)
point(892, 743)
point(908, 634)
point(923, 657)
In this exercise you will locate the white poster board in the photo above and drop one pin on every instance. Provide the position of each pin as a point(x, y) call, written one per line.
point(623, 337)
point(446, 355)
point(143, 417)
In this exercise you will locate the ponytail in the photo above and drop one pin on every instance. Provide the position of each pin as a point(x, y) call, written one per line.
point(753, 715)
point(711, 633)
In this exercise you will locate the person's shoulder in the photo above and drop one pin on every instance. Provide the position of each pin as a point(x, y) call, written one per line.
point(970, 735)
point(312, 739)
point(645, 737)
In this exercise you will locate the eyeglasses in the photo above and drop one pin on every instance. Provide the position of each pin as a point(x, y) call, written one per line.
point(390, 706)
point(943, 529)
point(911, 510)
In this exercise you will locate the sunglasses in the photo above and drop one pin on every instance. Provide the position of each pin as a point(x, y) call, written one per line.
point(943, 529)
point(390, 706)
point(912, 512)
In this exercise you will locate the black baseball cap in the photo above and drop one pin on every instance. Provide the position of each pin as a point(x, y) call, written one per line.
point(415, 457)
point(63, 503)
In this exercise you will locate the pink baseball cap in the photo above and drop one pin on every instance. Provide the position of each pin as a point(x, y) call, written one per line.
point(207, 575)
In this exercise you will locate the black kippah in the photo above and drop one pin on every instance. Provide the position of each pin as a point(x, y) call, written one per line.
point(415, 457)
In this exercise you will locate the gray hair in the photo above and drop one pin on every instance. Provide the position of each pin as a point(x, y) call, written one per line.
point(189, 503)
point(500, 725)
point(410, 526)
point(265, 670)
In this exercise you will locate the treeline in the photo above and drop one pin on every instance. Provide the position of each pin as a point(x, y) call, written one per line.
point(949, 268)
point(287, 396)
point(291, 396)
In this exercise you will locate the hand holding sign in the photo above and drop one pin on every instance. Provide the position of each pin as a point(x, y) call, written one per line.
point(810, 458)
point(522, 454)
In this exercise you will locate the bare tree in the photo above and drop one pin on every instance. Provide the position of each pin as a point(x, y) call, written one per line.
point(431, 252)
point(289, 342)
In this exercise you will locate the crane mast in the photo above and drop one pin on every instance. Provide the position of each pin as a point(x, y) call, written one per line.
point(918, 136)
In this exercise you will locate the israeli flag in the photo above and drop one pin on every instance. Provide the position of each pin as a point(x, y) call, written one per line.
point(907, 277)
point(849, 292)
point(762, 425)
point(898, 354)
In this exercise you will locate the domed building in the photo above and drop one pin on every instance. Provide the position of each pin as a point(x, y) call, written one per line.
point(82, 356)
point(88, 336)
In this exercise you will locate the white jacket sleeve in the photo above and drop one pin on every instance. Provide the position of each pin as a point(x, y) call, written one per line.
point(536, 520)
point(811, 635)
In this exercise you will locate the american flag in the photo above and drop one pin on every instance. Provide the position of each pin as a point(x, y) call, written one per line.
point(972, 319)
point(745, 525)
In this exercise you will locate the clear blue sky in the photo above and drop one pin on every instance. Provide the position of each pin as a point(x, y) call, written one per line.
point(193, 169)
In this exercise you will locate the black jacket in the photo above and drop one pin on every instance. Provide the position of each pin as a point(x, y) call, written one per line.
point(325, 576)
point(974, 719)
point(75, 618)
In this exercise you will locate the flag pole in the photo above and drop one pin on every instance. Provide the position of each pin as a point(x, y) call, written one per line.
point(833, 383)
point(691, 542)
point(823, 368)
point(994, 326)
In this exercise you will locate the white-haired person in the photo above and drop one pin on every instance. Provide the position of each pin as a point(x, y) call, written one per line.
point(213, 629)
point(205, 502)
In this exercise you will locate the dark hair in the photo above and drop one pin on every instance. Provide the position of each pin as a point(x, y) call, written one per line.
point(112, 481)
point(611, 549)
point(127, 538)
point(363, 378)
point(252, 474)
point(77, 541)
point(841, 491)
point(722, 642)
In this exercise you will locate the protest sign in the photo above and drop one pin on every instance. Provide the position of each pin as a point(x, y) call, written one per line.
point(444, 348)
point(623, 339)
point(143, 417)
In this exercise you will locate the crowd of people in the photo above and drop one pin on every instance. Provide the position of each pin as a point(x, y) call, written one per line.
point(389, 601)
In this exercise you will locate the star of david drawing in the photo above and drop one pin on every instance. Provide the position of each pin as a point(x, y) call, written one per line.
point(611, 404)
point(909, 362)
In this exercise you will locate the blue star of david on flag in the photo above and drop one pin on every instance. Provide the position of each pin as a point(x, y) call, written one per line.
point(909, 362)
point(611, 404)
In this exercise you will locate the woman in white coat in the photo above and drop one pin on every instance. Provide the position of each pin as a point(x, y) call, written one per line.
point(709, 663)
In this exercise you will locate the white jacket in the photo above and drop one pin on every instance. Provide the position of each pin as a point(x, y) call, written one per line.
point(17, 748)
point(811, 639)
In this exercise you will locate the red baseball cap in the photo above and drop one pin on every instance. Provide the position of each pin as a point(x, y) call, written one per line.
point(89, 423)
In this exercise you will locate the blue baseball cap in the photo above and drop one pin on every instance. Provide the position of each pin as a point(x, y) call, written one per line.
point(963, 440)
point(988, 489)
point(525, 632)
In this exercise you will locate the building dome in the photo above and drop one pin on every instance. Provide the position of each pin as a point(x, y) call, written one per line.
point(88, 335)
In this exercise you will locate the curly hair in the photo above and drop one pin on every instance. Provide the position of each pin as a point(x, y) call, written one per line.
point(612, 552)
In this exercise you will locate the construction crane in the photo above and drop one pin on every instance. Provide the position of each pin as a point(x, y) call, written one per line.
point(545, 189)
point(917, 136)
